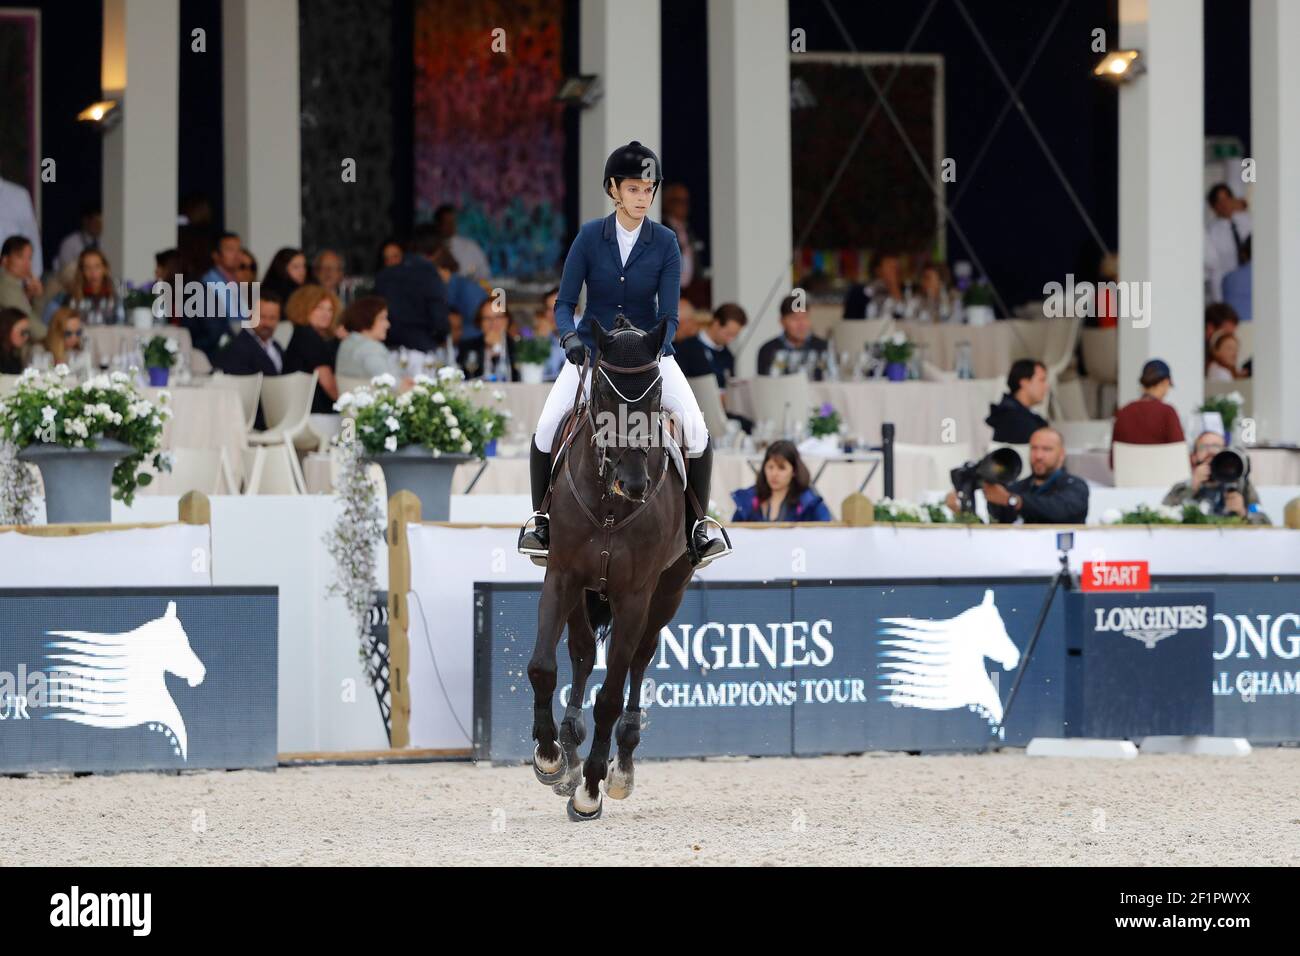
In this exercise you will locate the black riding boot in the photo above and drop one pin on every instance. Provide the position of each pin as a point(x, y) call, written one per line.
point(537, 542)
point(699, 546)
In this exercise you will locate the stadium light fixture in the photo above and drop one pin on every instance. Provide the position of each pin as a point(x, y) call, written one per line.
point(1120, 67)
point(103, 115)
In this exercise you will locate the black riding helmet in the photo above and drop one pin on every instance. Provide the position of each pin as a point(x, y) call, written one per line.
point(632, 161)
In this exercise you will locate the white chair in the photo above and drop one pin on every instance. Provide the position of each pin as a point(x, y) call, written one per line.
point(1021, 450)
point(201, 469)
point(1070, 400)
point(349, 383)
point(930, 465)
point(286, 404)
point(8, 383)
point(781, 400)
point(1150, 466)
point(1101, 354)
point(1058, 351)
point(283, 333)
point(271, 470)
point(854, 335)
point(321, 430)
point(249, 388)
point(709, 398)
point(1087, 434)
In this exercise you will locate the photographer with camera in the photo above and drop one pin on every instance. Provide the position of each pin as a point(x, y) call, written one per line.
point(1050, 495)
point(1219, 477)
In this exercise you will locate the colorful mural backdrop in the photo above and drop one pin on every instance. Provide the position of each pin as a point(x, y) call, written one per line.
point(488, 135)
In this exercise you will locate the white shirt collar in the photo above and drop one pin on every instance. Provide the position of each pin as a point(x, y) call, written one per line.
point(628, 233)
point(704, 337)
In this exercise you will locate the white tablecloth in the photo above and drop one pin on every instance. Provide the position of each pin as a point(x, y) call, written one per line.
point(923, 413)
point(107, 341)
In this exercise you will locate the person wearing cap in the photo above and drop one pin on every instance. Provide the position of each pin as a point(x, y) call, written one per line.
point(1148, 420)
point(631, 266)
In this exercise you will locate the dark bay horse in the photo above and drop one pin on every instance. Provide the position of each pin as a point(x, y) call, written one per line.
point(617, 566)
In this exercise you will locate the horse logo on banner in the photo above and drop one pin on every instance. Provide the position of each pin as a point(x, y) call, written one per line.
point(116, 680)
point(939, 665)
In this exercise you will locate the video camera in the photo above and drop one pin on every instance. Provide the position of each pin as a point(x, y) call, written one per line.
point(999, 467)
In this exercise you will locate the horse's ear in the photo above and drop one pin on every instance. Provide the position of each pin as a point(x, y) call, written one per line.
point(171, 609)
point(988, 598)
point(602, 337)
point(659, 334)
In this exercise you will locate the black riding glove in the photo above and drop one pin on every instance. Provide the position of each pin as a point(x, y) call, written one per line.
point(575, 350)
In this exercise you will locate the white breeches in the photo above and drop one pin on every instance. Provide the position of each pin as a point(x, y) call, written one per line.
point(678, 400)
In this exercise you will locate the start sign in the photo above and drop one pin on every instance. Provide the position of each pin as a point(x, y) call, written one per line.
point(1115, 576)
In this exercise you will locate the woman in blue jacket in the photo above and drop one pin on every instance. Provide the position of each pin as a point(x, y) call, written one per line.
point(631, 266)
point(783, 491)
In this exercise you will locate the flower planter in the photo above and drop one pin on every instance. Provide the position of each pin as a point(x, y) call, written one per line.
point(78, 481)
point(413, 468)
point(531, 374)
point(158, 376)
point(896, 371)
point(980, 315)
point(142, 317)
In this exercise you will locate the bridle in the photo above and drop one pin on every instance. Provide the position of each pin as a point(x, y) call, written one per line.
point(621, 439)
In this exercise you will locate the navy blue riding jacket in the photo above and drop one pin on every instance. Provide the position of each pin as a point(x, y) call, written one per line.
point(645, 290)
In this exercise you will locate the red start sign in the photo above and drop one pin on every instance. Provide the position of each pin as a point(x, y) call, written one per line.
point(1115, 576)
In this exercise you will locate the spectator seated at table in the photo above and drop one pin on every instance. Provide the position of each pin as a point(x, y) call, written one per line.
point(15, 332)
point(327, 270)
point(492, 354)
point(1221, 358)
point(796, 347)
point(415, 295)
point(207, 332)
point(544, 328)
point(938, 301)
point(63, 343)
point(314, 312)
point(783, 491)
point(1048, 495)
point(1148, 420)
point(91, 291)
point(1203, 488)
point(362, 354)
point(286, 274)
point(883, 296)
point(708, 352)
point(1012, 419)
point(19, 288)
point(464, 295)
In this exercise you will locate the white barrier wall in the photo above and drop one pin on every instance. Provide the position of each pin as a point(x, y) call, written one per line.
point(176, 555)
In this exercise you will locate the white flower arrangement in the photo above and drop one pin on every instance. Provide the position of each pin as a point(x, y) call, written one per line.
point(47, 408)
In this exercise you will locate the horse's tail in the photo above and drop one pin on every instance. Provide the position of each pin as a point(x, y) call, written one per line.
point(599, 615)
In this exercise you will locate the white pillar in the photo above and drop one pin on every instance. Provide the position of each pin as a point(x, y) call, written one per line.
point(1161, 230)
point(620, 45)
point(749, 163)
point(141, 67)
point(1275, 212)
point(262, 112)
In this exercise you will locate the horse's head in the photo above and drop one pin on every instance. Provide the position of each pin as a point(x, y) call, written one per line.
point(994, 640)
point(626, 392)
point(174, 644)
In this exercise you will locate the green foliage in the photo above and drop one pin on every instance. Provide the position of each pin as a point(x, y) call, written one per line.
point(52, 408)
point(160, 352)
point(437, 415)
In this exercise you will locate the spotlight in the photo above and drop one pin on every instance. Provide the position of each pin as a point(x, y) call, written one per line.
point(1120, 67)
point(103, 115)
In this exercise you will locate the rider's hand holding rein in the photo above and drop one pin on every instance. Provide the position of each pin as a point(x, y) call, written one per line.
point(575, 350)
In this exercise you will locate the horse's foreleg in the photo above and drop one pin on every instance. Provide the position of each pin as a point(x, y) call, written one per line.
point(629, 625)
point(573, 728)
point(627, 732)
point(558, 597)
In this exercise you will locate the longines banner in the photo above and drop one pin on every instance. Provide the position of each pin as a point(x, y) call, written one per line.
point(813, 667)
point(138, 678)
point(775, 668)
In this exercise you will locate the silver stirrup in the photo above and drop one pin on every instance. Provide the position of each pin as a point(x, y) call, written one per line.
point(706, 560)
point(538, 557)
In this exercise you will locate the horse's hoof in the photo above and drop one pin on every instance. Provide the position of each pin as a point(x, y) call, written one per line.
point(567, 786)
point(577, 816)
point(552, 777)
point(618, 785)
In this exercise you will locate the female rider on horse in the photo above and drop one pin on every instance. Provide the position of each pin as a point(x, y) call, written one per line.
point(631, 265)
